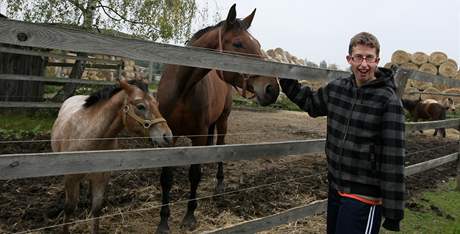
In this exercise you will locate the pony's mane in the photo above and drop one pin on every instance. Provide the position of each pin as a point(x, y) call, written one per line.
point(240, 24)
point(107, 92)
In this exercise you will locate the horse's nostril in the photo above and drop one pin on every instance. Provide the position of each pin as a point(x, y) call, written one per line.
point(269, 89)
point(167, 138)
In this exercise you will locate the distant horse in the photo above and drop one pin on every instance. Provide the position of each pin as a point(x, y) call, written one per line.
point(196, 101)
point(104, 114)
point(429, 109)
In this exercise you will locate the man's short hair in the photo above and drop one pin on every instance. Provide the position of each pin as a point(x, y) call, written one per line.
point(364, 38)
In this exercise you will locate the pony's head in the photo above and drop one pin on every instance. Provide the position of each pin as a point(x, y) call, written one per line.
point(449, 104)
point(231, 36)
point(140, 113)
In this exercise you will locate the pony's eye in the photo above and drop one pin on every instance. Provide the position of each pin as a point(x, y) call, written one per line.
point(140, 107)
point(238, 44)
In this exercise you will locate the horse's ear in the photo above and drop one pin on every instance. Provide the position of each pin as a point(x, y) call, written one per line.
point(231, 18)
point(125, 86)
point(248, 20)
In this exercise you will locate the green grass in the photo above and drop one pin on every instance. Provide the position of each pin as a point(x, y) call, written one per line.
point(437, 212)
point(21, 124)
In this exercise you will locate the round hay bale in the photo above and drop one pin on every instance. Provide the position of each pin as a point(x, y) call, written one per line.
point(410, 65)
point(458, 75)
point(437, 58)
point(448, 69)
point(419, 58)
point(452, 61)
point(431, 96)
point(453, 91)
point(410, 93)
point(428, 68)
point(425, 85)
point(400, 57)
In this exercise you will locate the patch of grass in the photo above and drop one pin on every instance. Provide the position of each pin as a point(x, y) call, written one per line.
point(22, 124)
point(433, 212)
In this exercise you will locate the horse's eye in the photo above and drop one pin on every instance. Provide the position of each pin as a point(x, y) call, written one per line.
point(238, 44)
point(140, 107)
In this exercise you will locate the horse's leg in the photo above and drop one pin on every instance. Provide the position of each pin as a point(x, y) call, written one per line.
point(221, 131)
point(72, 193)
point(166, 180)
point(189, 221)
point(98, 183)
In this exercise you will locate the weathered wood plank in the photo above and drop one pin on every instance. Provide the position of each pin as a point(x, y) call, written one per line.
point(275, 220)
point(54, 80)
point(449, 123)
point(440, 94)
point(29, 105)
point(427, 165)
point(55, 55)
point(87, 65)
point(61, 163)
point(53, 37)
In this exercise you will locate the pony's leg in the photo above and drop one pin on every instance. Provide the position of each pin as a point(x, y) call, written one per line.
point(166, 180)
point(72, 193)
point(98, 184)
point(221, 131)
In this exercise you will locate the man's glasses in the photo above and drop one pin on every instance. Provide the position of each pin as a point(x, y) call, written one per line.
point(360, 59)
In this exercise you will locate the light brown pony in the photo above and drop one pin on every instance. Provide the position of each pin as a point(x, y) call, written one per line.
point(104, 114)
point(429, 109)
point(195, 101)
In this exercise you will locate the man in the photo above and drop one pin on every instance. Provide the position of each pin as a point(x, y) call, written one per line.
point(365, 141)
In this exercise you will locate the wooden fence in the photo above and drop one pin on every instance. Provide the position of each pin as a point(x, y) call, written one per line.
point(14, 166)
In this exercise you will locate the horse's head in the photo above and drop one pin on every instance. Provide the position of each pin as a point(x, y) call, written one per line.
point(141, 115)
point(232, 36)
point(449, 104)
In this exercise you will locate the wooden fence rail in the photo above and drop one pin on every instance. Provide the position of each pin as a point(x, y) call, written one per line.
point(54, 80)
point(13, 166)
point(55, 37)
point(317, 207)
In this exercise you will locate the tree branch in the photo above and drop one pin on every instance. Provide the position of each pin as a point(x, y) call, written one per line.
point(77, 4)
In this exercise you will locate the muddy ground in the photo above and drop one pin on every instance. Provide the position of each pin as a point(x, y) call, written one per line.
point(253, 188)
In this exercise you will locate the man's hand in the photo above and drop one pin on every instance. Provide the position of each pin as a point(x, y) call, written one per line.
point(289, 86)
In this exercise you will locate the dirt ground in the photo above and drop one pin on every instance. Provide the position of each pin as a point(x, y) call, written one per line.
point(253, 188)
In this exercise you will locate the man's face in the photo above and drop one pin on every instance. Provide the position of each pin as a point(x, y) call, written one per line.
point(363, 61)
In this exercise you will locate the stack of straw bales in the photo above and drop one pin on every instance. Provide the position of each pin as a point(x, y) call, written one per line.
point(279, 55)
point(437, 63)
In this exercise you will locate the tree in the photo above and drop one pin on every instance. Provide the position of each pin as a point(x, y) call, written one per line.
point(162, 20)
point(323, 64)
point(157, 20)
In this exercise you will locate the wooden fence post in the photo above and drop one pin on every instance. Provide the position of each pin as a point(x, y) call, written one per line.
point(458, 162)
point(401, 76)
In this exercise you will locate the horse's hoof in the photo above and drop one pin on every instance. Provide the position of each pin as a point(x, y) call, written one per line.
point(162, 229)
point(189, 223)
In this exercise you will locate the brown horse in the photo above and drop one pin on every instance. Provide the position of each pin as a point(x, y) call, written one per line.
point(429, 109)
point(196, 101)
point(83, 119)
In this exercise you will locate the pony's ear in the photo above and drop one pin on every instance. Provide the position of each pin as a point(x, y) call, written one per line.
point(231, 18)
point(248, 20)
point(125, 86)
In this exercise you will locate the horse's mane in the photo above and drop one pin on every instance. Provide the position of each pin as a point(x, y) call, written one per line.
point(107, 92)
point(240, 24)
point(409, 104)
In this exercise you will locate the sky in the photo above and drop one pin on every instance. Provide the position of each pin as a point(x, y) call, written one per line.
point(321, 30)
